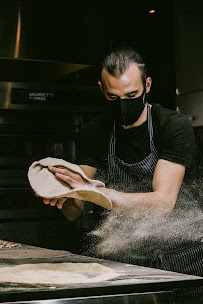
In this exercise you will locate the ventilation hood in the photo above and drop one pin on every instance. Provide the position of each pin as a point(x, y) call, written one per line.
point(29, 70)
point(35, 42)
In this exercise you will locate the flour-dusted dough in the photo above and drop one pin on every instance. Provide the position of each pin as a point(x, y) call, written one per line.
point(56, 273)
point(46, 185)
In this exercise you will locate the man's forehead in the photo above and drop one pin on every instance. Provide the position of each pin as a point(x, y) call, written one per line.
point(132, 71)
point(132, 77)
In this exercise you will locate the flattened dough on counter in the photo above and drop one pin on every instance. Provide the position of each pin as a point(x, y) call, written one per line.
point(56, 273)
point(47, 185)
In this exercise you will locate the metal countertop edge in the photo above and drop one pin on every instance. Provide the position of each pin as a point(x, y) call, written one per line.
point(97, 291)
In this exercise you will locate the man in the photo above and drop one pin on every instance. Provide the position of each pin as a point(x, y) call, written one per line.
point(142, 152)
point(133, 141)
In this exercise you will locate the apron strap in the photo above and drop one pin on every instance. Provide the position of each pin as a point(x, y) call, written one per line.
point(150, 127)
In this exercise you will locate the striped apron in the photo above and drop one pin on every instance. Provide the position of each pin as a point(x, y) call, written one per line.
point(122, 172)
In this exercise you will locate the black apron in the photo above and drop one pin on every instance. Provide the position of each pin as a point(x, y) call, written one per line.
point(188, 260)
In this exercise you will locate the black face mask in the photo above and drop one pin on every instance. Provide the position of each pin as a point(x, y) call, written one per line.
point(126, 111)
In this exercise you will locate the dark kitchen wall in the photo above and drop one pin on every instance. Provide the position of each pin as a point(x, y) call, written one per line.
point(105, 27)
point(188, 20)
point(75, 32)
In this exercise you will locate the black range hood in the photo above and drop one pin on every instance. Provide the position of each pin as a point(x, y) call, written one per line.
point(30, 70)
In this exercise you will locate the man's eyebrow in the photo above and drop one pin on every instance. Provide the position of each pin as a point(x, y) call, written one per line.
point(111, 94)
point(132, 92)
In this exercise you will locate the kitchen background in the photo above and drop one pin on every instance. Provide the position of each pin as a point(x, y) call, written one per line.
point(49, 55)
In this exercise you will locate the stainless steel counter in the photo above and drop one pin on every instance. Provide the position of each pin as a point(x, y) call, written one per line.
point(132, 280)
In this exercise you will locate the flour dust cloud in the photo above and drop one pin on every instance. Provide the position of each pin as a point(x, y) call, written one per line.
point(138, 237)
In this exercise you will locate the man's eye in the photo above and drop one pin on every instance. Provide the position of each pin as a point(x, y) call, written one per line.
point(113, 97)
point(131, 96)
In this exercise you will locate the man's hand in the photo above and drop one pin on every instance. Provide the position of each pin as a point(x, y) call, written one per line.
point(71, 208)
point(58, 202)
point(72, 178)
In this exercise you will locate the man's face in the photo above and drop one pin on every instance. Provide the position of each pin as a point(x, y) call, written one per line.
point(128, 85)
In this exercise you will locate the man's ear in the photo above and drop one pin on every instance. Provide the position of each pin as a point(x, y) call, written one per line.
point(148, 84)
point(100, 86)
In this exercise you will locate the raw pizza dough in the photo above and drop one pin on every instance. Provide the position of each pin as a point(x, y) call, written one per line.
point(47, 185)
point(56, 273)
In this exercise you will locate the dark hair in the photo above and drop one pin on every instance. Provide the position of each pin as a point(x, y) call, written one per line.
point(118, 61)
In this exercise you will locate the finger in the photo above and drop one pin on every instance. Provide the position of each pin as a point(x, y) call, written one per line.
point(65, 178)
point(53, 201)
point(46, 201)
point(65, 171)
point(60, 202)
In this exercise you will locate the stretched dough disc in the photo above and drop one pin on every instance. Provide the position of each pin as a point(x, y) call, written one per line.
point(47, 185)
point(56, 273)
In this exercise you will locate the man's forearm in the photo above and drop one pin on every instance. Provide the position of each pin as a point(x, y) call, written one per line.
point(152, 202)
